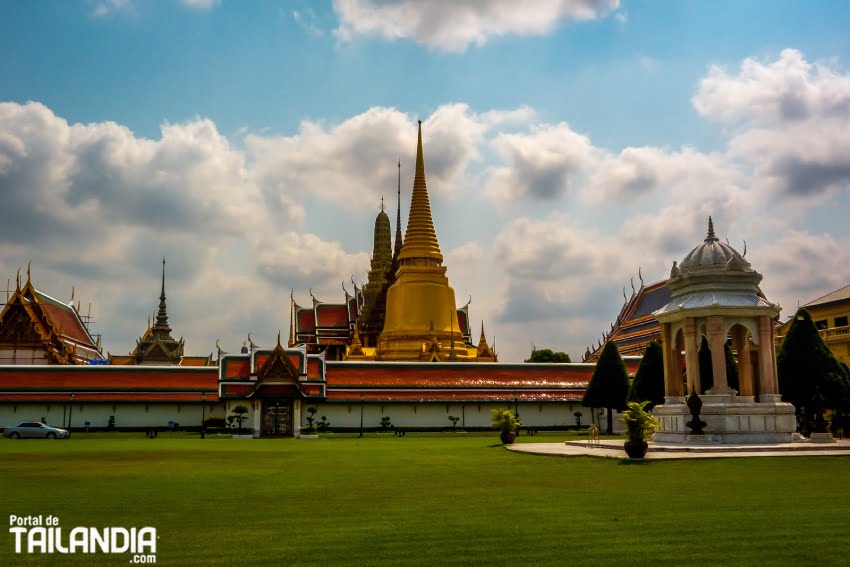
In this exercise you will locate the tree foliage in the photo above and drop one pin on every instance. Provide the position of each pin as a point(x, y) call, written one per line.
point(648, 385)
point(806, 368)
point(609, 384)
point(548, 355)
point(239, 416)
point(706, 368)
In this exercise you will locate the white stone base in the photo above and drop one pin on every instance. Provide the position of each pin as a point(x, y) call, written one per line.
point(308, 436)
point(243, 437)
point(822, 438)
point(731, 420)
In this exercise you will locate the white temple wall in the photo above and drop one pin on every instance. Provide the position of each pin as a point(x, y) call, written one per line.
point(431, 415)
point(126, 414)
point(437, 414)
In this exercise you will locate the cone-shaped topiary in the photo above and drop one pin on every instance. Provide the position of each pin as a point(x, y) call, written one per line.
point(648, 385)
point(806, 366)
point(609, 384)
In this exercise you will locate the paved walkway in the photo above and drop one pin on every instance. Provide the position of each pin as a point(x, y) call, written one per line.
point(657, 451)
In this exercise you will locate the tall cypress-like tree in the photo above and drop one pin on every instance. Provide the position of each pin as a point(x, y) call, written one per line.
point(706, 368)
point(648, 385)
point(807, 367)
point(609, 384)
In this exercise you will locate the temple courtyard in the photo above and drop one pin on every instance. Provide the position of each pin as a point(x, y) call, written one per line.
point(425, 499)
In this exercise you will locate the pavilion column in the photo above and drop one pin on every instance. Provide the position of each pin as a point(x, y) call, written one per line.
point(676, 366)
point(666, 351)
point(672, 375)
point(745, 369)
point(717, 344)
point(692, 355)
point(767, 360)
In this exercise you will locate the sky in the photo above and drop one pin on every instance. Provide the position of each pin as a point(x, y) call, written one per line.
point(570, 145)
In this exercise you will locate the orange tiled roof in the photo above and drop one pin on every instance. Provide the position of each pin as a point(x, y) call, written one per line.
point(460, 375)
point(107, 377)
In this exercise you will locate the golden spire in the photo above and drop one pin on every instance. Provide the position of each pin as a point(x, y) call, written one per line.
point(484, 349)
point(420, 245)
point(356, 346)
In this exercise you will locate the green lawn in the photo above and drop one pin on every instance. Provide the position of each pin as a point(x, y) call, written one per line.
point(425, 500)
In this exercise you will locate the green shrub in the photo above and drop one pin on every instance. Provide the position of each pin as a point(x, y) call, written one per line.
point(640, 424)
point(505, 420)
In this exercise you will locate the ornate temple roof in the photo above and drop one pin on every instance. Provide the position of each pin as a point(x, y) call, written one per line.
point(33, 319)
point(635, 327)
point(156, 345)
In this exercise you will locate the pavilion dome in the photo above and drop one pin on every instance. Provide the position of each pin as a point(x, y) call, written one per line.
point(714, 254)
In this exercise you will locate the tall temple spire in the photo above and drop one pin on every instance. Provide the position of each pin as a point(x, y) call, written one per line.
point(420, 305)
point(161, 327)
point(420, 245)
point(711, 236)
point(397, 247)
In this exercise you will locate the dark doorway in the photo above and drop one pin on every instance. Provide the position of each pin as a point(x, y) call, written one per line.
point(277, 418)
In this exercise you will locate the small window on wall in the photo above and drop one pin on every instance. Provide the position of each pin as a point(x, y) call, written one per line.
point(821, 325)
point(841, 322)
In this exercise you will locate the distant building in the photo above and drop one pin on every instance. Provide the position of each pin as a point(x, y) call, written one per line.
point(156, 347)
point(831, 314)
point(36, 328)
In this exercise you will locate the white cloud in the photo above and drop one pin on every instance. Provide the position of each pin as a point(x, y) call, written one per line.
point(453, 26)
point(786, 90)
point(546, 262)
point(354, 162)
point(304, 260)
point(793, 265)
point(544, 163)
point(200, 4)
point(307, 20)
point(792, 118)
point(106, 8)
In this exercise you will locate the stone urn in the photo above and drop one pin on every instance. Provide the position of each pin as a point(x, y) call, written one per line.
point(636, 449)
point(507, 437)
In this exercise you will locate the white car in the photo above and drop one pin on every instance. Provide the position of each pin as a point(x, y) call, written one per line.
point(35, 430)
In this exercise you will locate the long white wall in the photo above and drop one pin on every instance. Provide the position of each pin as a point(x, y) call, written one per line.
point(432, 415)
point(97, 414)
point(437, 414)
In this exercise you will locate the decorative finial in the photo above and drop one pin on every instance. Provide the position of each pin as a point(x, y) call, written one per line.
point(745, 249)
point(72, 294)
point(382, 203)
point(625, 299)
point(633, 284)
point(29, 265)
point(278, 338)
point(640, 277)
point(711, 236)
point(398, 237)
point(161, 326)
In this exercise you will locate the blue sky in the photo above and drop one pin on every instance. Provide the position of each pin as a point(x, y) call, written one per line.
point(566, 143)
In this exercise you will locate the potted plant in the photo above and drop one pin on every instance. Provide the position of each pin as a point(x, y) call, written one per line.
point(507, 422)
point(640, 426)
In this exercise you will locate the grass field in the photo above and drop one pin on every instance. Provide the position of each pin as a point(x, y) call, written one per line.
point(425, 500)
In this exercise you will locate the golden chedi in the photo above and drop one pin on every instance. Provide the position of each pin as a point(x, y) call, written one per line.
point(421, 314)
